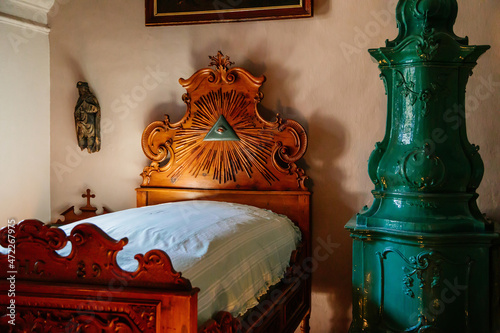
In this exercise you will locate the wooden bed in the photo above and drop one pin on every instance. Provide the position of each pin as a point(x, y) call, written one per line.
point(221, 150)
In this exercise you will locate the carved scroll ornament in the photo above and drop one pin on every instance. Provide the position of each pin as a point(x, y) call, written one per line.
point(53, 322)
point(92, 259)
point(222, 141)
point(77, 320)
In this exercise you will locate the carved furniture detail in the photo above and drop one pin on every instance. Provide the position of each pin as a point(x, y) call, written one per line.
point(86, 211)
point(222, 141)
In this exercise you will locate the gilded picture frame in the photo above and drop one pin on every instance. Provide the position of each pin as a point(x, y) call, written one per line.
point(176, 12)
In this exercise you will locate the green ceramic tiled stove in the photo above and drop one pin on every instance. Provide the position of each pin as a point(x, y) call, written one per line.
point(421, 252)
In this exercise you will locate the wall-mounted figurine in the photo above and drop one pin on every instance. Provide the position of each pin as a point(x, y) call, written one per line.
point(87, 119)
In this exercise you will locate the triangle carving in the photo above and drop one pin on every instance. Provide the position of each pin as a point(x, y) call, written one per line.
point(221, 131)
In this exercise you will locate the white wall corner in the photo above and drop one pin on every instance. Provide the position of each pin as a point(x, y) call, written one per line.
point(26, 13)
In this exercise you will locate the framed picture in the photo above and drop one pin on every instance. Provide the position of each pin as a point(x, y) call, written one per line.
point(173, 12)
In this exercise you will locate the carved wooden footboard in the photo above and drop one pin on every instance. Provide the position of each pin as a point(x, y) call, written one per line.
point(86, 291)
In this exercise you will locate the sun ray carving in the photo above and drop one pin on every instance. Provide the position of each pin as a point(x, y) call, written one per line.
point(252, 154)
point(223, 159)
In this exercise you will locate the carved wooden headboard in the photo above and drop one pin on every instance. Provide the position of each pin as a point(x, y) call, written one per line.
point(222, 141)
point(222, 149)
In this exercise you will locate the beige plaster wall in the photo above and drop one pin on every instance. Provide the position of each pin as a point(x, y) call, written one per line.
point(24, 121)
point(318, 72)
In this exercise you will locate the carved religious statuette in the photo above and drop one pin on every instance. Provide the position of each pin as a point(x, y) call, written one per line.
point(87, 119)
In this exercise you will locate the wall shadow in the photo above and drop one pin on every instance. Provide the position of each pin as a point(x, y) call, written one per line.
point(333, 206)
point(174, 108)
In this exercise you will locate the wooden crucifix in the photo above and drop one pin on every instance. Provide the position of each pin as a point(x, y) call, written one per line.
point(86, 211)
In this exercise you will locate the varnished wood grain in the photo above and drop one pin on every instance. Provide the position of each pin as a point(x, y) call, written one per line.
point(262, 159)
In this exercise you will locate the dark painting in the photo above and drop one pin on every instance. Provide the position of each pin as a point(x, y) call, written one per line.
point(167, 12)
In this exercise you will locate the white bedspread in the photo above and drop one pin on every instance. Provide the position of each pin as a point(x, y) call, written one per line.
point(232, 252)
